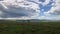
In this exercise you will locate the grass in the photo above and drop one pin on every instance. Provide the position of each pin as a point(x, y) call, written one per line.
point(13, 27)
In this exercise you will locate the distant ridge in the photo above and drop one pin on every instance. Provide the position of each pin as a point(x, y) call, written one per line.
point(31, 20)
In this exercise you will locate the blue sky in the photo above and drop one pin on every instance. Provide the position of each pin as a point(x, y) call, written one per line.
point(30, 9)
point(46, 7)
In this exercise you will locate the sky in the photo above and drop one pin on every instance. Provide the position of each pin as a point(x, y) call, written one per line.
point(30, 9)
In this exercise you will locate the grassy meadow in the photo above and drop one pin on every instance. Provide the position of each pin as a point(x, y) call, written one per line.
point(13, 27)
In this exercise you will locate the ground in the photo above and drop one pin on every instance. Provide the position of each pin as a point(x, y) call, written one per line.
point(13, 27)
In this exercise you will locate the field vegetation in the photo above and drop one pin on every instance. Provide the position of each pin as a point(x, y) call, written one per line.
point(14, 27)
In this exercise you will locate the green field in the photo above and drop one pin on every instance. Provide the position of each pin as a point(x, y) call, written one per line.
point(13, 27)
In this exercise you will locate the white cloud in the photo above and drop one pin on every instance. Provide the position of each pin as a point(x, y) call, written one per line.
point(44, 17)
point(45, 2)
point(36, 1)
point(55, 9)
point(19, 8)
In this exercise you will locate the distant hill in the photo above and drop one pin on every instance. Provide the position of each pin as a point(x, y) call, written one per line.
point(30, 20)
point(33, 20)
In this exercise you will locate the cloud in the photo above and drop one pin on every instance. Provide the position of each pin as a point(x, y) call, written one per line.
point(19, 9)
point(45, 2)
point(55, 10)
